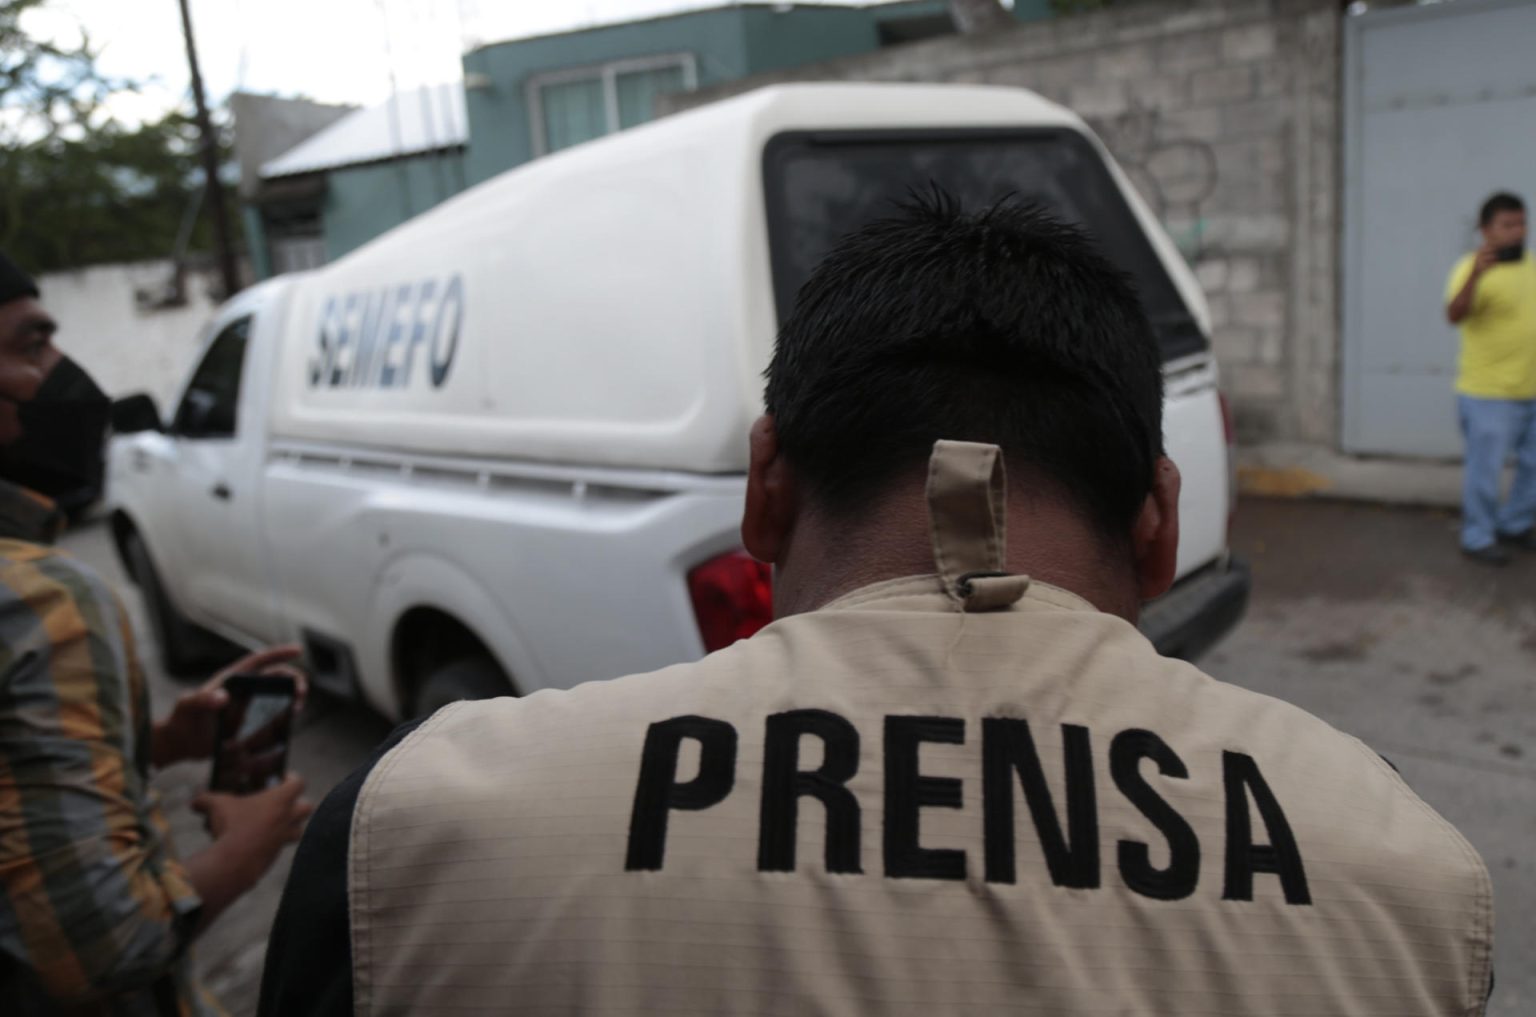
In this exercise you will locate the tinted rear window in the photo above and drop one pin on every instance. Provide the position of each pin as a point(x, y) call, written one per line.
point(820, 186)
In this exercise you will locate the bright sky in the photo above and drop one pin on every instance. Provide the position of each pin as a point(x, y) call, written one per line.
point(330, 50)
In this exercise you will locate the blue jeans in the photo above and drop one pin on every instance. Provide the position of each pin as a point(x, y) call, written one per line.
point(1493, 428)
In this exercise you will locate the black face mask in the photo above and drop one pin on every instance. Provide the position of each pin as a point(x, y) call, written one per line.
point(63, 438)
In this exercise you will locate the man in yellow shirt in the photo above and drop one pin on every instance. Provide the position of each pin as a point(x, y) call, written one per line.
point(1491, 295)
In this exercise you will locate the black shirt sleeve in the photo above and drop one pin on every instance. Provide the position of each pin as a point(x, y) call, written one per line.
point(309, 957)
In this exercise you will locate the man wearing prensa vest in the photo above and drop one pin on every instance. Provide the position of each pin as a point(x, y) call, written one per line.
point(952, 776)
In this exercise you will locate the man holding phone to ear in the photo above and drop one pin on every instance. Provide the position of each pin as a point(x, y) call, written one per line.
point(96, 908)
point(1491, 295)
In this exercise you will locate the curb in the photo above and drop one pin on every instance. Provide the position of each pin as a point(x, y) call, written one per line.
point(1313, 471)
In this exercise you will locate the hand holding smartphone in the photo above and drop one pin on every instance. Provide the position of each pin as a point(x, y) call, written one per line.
point(250, 750)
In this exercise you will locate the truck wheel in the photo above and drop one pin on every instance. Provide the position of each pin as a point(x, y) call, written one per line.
point(465, 678)
point(186, 651)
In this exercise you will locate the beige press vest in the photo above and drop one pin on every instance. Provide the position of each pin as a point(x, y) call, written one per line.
point(961, 793)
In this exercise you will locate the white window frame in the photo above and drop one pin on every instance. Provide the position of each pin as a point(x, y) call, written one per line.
point(609, 73)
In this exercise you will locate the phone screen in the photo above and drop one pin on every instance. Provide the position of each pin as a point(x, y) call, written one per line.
point(1514, 252)
point(251, 753)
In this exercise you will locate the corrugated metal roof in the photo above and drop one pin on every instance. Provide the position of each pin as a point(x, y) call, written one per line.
point(416, 120)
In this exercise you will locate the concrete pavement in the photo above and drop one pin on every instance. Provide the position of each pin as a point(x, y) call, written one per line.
point(1370, 619)
point(1364, 615)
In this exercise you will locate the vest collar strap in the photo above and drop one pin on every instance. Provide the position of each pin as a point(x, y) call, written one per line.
point(968, 521)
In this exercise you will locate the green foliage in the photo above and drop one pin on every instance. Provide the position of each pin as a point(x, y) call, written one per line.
point(44, 88)
point(76, 186)
point(115, 194)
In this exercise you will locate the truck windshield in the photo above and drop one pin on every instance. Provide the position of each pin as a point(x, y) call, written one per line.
point(821, 185)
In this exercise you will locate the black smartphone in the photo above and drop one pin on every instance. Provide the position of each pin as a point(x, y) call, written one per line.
point(1514, 252)
point(251, 750)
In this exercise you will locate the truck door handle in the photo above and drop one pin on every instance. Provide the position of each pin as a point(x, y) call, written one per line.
point(221, 491)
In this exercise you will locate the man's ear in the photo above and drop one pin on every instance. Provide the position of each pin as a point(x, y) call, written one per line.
point(1155, 537)
point(772, 501)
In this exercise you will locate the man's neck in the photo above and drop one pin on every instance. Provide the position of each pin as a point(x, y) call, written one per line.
point(828, 558)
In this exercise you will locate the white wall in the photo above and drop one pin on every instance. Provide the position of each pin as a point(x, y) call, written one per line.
point(127, 349)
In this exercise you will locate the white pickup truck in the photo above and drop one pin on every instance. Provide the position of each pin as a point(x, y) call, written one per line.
point(502, 447)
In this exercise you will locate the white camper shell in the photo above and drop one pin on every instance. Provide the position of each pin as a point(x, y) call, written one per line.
point(502, 447)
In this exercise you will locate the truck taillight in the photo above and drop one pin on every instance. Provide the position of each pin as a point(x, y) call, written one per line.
point(732, 598)
point(1230, 431)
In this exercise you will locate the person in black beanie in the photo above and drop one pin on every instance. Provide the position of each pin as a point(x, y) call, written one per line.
point(97, 911)
point(28, 355)
point(62, 425)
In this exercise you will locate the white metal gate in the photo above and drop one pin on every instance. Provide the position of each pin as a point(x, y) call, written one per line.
point(1440, 112)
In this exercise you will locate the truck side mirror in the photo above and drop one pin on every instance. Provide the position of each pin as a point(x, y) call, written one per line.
point(195, 418)
point(135, 413)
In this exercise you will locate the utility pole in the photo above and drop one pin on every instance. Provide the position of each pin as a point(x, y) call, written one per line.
point(215, 188)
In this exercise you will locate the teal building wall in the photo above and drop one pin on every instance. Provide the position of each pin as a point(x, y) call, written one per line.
point(363, 201)
point(724, 43)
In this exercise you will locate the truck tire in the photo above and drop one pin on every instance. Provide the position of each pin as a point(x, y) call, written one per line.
point(186, 651)
point(466, 678)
